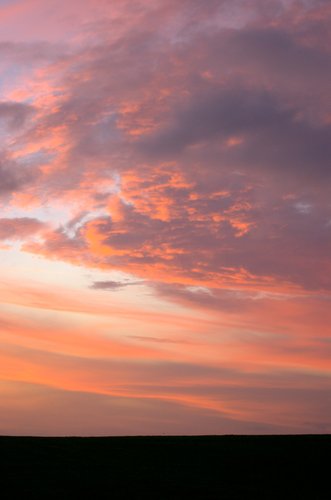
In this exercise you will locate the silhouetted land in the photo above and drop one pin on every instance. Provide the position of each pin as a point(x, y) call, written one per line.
point(211, 467)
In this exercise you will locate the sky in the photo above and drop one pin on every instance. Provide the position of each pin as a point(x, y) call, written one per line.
point(165, 224)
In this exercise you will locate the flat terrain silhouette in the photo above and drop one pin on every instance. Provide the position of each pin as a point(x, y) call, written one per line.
point(206, 467)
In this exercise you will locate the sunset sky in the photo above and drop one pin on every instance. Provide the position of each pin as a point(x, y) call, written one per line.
point(165, 229)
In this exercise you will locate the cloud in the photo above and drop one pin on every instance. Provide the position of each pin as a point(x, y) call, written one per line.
point(214, 242)
point(188, 145)
point(82, 413)
point(14, 114)
point(190, 162)
point(11, 179)
point(228, 397)
point(19, 228)
point(264, 133)
point(111, 285)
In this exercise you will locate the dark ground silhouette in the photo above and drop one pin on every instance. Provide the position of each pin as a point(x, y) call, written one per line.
point(207, 467)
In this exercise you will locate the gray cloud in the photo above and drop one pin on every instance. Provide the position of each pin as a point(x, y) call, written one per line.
point(13, 177)
point(273, 136)
point(19, 228)
point(111, 285)
point(14, 114)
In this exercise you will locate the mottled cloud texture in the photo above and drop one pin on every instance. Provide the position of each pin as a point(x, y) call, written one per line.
point(183, 148)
